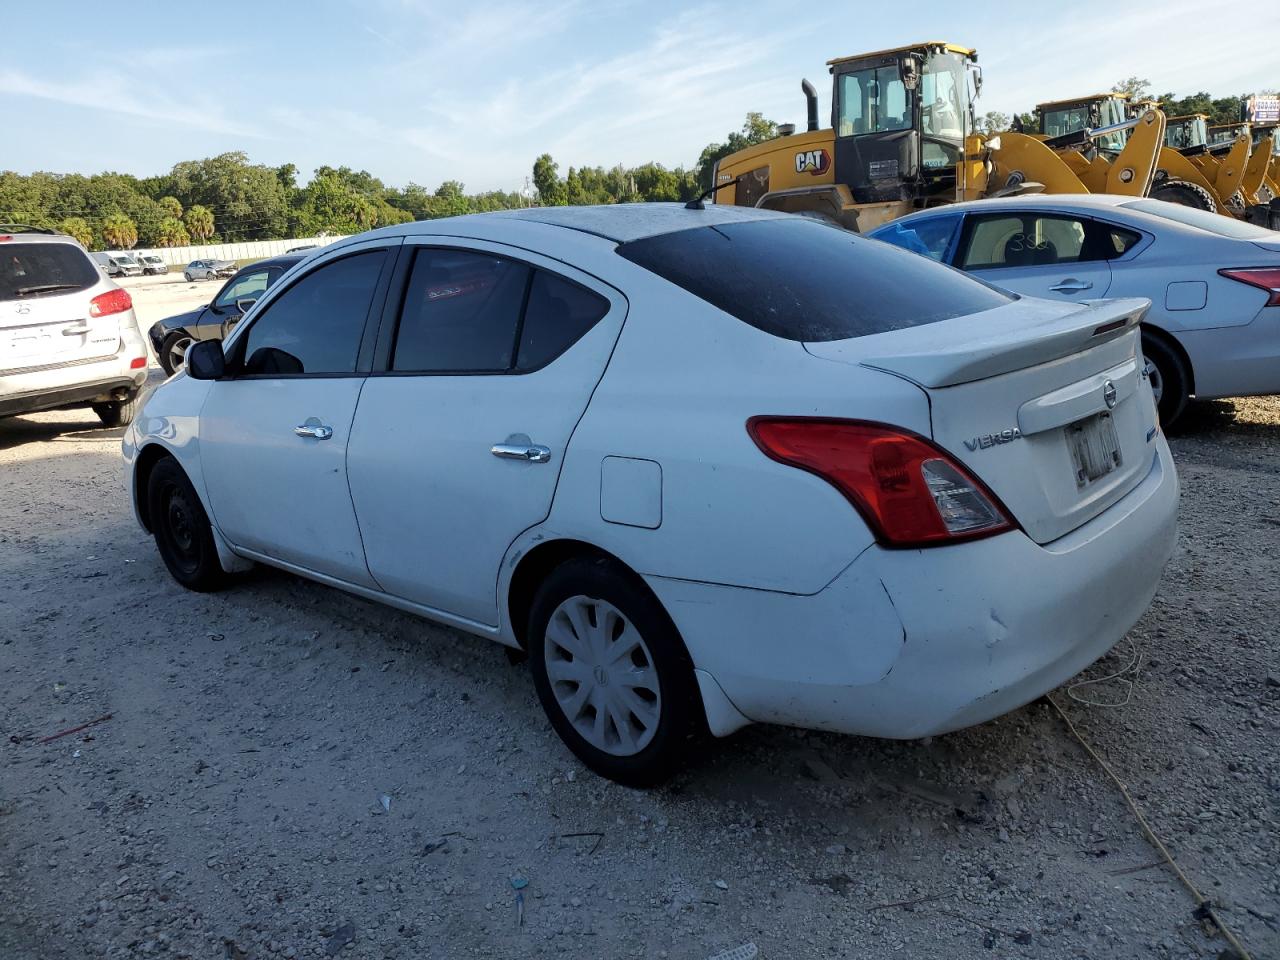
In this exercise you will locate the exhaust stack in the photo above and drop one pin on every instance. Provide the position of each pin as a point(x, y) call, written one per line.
point(811, 99)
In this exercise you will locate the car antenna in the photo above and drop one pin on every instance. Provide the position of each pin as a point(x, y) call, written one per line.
point(697, 204)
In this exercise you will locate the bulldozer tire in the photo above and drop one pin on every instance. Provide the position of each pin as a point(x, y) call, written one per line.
point(1185, 193)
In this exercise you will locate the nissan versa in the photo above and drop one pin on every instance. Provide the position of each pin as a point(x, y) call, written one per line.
point(706, 467)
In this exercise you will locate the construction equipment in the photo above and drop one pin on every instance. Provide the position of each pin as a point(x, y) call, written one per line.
point(903, 137)
point(1109, 150)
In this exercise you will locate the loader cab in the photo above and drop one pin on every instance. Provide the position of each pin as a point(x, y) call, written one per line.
point(1223, 135)
point(1187, 135)
point(1062, 119)
point(900, 119)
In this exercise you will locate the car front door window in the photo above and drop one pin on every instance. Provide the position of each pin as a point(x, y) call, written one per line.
point(247, 285)
point(316, 324)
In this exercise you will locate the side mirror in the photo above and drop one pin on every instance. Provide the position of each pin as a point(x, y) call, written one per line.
point(244, 303)
point(206, 361)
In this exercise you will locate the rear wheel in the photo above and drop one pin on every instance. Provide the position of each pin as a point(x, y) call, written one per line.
point(117, 413)
point(1170, 381)
point(181, 528)
point(611, 672)
point(173, 351)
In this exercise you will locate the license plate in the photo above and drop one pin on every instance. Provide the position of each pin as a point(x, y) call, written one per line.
point(1095, 448)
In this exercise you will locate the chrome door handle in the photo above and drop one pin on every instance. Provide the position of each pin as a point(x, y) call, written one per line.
point(314, 430)
point(1072, 285)
point(532, 452)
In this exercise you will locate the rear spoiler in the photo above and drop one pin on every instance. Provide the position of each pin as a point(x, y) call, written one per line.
point(1005, 339)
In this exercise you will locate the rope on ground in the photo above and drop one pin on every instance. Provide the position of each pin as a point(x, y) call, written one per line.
point(1128, 675)
point(1204, 907)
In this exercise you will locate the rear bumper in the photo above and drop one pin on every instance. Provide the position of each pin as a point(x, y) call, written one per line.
point(910, 643)
point(67, 385)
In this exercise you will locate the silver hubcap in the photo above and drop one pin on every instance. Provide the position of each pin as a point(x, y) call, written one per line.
point(178, 353)
point(1157, 381)
point(602, 676)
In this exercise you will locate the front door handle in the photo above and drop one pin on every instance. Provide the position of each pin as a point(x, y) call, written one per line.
point(515, 449)
point(314, 430)
point(1072, 285)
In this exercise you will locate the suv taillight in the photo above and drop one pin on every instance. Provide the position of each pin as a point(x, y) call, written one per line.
point(910, 492)
point(113, 301)
point(1264, 278)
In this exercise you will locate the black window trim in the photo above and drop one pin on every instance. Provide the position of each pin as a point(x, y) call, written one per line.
point(391, 247)
point(389, 324)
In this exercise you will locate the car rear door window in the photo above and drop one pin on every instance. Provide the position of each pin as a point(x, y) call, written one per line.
point(316, 324)
point(558, 313)
point(44, 269)
point(802, 280)
point(461, 313)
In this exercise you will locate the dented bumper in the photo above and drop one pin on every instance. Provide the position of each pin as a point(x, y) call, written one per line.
point(910, 643)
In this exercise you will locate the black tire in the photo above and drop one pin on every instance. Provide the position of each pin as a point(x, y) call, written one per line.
point(186, 276)
point(167, 347)
point(181, 529)
point(1169, 378)
point(678, 709)
point(1186, 194)
point(117, 413)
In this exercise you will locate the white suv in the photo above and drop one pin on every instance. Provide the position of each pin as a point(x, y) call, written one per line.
point(68, 336)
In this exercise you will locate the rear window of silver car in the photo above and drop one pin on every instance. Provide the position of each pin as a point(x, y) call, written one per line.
point(1202, 220)
point(802, 280)
point(44, 269)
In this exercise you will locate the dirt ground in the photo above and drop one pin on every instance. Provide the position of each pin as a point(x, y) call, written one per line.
point(289, 771)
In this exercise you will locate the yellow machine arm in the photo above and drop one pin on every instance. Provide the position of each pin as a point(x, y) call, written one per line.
point(1018, 158)
point(1231, 168)
point(1255, 171)
point(1133, 171)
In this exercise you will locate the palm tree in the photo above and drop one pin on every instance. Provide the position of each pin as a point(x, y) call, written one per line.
point(172, 233)
point(119, 231)
point(78, 229)
point(172, 207)
point(199, 221)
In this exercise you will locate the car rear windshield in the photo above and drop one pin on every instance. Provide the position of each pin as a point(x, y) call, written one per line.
point(803, 280)
point(43, 270)
point(1203, 220)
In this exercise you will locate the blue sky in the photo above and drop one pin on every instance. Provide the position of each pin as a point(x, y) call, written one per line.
point(425, 91)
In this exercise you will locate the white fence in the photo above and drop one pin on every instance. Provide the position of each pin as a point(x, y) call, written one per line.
point(249, 249)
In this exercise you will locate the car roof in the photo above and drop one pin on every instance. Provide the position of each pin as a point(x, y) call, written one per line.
point(283, 260)
point(619, 222)
point(1080, 202)
point(39, 237)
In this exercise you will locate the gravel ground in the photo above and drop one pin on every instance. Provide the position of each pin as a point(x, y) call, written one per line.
point(289, 771)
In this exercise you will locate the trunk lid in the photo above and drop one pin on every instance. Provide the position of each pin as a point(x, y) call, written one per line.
point(1045, 402)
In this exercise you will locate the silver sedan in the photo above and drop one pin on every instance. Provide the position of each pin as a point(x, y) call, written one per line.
point(1214, 282)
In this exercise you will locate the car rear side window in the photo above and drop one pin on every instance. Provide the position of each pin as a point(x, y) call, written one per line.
point(316, 324)
point(468, 311)
point(802, 280)
point(44, 269)
point(559, 312)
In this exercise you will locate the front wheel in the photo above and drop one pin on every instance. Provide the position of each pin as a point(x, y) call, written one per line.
point(117, 413)
point(611, 672)
point(181, 529)
point(1170, 381)
point(188, 277)
point(173, 351)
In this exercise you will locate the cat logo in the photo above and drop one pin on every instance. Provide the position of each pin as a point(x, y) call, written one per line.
point(813, 161)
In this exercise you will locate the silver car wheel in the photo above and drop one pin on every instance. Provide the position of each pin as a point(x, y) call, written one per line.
point(178, 353)
point(1157, 381)
point(602, 676)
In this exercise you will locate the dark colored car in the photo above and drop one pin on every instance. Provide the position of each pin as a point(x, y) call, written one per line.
point(171, 336)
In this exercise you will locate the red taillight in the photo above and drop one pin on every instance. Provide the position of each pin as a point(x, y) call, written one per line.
point(113, 301)
point(911, 493)
point(137, 363)
point(1264, 278)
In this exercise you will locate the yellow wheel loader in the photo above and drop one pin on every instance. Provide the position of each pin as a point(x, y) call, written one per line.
point(1108, 150)
point(902, 137)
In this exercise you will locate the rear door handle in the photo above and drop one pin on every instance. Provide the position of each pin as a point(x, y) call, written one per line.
point(1072, 285)
point(314, 430)
point(532, 452)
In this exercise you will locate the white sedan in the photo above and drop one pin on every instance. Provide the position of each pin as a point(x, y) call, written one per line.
point(706, 467)
point(1214, 325)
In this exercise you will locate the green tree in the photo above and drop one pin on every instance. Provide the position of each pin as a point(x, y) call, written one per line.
point(78, 228)
point(199, 222)
point(119, 231)
point(172, 207)
point(172, 233)
point(546, 180)
point(993, 121)
point(1135, 87)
